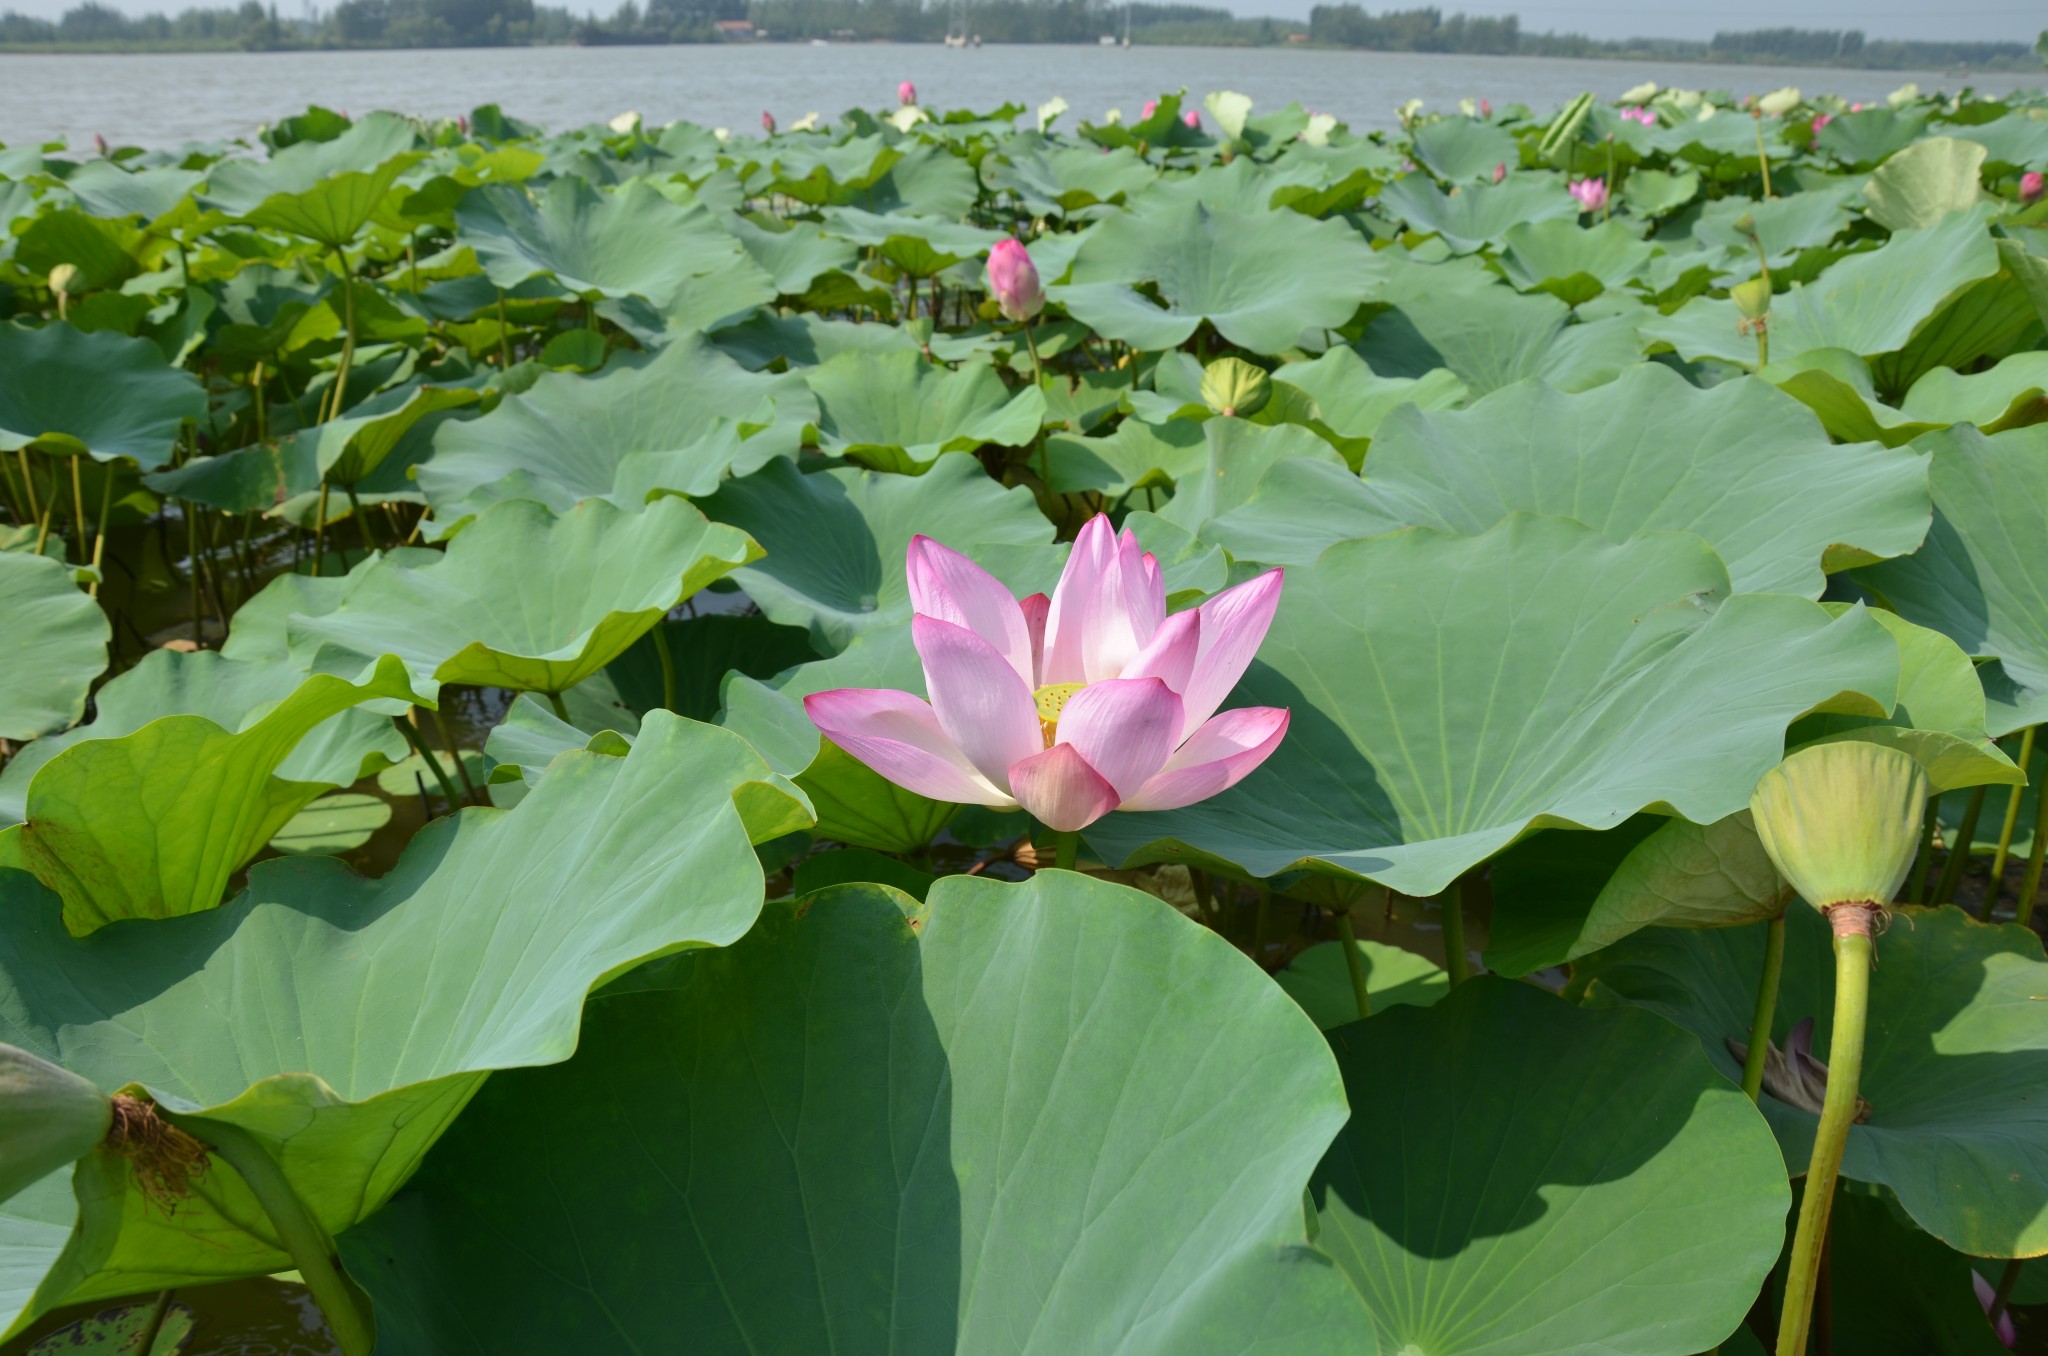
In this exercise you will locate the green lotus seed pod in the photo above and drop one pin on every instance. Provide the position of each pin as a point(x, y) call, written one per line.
point(1746, 224)
point(1752, 298)
point(49, 1116)
point(1234, 386)
point(1841, 821)
point(62, 276)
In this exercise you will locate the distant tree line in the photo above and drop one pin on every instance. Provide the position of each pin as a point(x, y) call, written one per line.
point(254, 25)
point(1427, 30)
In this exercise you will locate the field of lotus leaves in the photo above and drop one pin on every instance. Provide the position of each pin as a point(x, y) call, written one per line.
point(1428, 635)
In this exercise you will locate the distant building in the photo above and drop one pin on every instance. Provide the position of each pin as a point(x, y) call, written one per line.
point(736, 28)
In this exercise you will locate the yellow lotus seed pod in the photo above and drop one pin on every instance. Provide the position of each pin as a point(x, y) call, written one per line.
point(49, 1117)
point(1234, 386)
point(62, 276)
point(1841, 821)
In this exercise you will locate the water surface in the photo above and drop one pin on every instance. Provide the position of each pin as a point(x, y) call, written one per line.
point(162, 100)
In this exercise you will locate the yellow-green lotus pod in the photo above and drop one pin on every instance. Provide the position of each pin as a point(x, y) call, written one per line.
point(1841, 821)
point(62, 276)
point(1779, 101)
point(49, 1117)
point(1752, 298)
point(1234, 386)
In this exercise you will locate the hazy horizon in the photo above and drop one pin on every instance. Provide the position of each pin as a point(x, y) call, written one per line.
point(1975, 21)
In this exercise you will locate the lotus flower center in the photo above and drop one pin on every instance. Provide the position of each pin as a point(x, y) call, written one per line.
point(1052, 699)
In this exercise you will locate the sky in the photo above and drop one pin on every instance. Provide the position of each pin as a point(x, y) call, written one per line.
point(1959, 20)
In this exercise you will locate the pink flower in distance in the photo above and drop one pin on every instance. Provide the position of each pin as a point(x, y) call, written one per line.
point(1192, 119)
point(1013, 278)
point(768, 122)
point(1145, 113)
point(1591, 193)
point(906, 94)
point(1500, 171)
point(1821, 120)
point(2006, 1333)
point(1641, 115)
point(2032, 186)
point(1486, 108)
point(1091, 701)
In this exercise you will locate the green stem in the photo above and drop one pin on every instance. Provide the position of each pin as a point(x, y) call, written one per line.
point(320, 529)
point(1355, 963)
point(99, 535)
point(461, 767)
point(28, 481)
point(419, 746)
point(2030, 884)
point(668, 666)
point(1066, 849)
point(561, 708)
point(1764, 161)
point(2012, 819)
point(1851, 924)
point(1038, 378)
point(504, 335)
point(152, 1326)
point(2001, 1298)
point(78, 504)
point(300, 1234)
point(1959, 851)
point(355, 509)
point(348, 338)
point(1456, 962)
point(1766, 1009)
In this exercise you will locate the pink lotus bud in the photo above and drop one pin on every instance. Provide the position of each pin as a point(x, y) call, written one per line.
point(2032, 186)
point(1821, 120)
point(768, 122)
point(1591, 193)
point(462, 123)
point(100, 143)
point(1014, 280)
point(906, 94)
point(1145, 113)
point(1500, 171)
point(1192, 119)
point(1857, 108)
point(2006, 1333)
point(1486, 108)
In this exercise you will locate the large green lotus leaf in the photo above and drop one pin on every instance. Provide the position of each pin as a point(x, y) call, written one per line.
point(1459, 316)
point(343, 1022)
point(1135, 455)
point(1451, 693)
point(679, 419)
point(1240, 455)
point(526, 599)
point(1573, 263)
point(898, 412)
point(1295, 512)
point(1477, 214)
point(1784, 226)
point(154, 824)
point(1955, 1063)
point(1925, 182)
point(919, 246)
point(2011, 393)
point(2016, 141)
point(325, 191)
point(1585, 1184)
point(54, 639)
point(1981, 578)
point(1259, 278)
point(1869, 304)
point(1543, 887)
point(232, 693)
point(1053, 1117)
point(1651, 452)
point(628, 242)
point(1320, 980)
point(835, 540)
point(1055, 180)
point(348, 449)
point(1464, 149)
point(69, 391)
point(1868, 136)
point(794, 257)
point(106, 188)
point(105, 253)
point(1352, 400)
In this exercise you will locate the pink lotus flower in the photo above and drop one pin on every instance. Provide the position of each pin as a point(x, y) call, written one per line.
point(1641, 115)
point(1092, 701)
point(1013, 278)
point(1821, 120)
point(1591, 193)
point(1145, 113)
point(2006, 1333)
point(1192, 119)
point(1857, 108)
point(2032, 186)
point(906, 94)
point(1500, 171)
point(768, 122)
point(1486, 108)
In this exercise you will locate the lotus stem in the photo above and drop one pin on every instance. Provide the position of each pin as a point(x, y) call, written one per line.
point(159, 1309)
point(419, 746)
point(1959, 851)
point(2030, 885)
point(1763, 161)
point(1456, 963)
point(1766, 1009)
point(78, 502)
point(668, 665)
point(2001, 1298)
point(320, 529)
point(28, 482)
point(1066, 849)
point(504, 335)
point(300, 1234)
point(348, 338)
point(1924, 858)
point(2012, 816)
point(1354, 963)
point(1038, 379)
point(99, 535)
point(1851, 924)
point(448, 744)
point(561, 708)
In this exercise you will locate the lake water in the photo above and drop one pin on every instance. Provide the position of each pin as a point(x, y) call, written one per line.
point(153, 100)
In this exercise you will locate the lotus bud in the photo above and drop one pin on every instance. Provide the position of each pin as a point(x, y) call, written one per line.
point(99, 143)
point(1752, 299)
point(1500, 171)
point(1013, 279)
point(1821, 120)
point(62, 277)
point(767, 122)
point(906, 94)
point(1779, 102)
point(1641, 94)
point(1792, 1074)
point(49, 1117)
point(1486, 108)
point(1145, 113)
point(628, 121)
point(1746, 225)
point(1192, 118)
point(2032, 186)
point(1841, 822)
point(1591, 193)
point(462, 123)
point(1232, 386)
